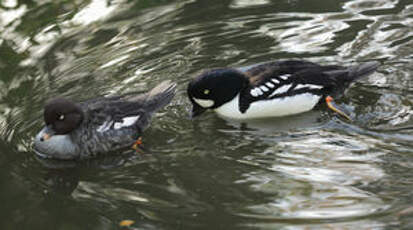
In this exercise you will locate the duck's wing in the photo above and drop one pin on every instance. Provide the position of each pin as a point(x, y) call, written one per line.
point(108, 124)
point(108, 113)
point(263, 72)
point(287, 79)
point(105, 115)
point(112, 123)
point(158, 97)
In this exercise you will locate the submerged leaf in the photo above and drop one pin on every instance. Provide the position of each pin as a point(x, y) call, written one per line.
point(126, 223)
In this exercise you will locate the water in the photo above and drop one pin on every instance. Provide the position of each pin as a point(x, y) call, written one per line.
point(311, 171)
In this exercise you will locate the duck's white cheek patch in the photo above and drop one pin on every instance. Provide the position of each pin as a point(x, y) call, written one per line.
point(126, 121)
point(205, 103)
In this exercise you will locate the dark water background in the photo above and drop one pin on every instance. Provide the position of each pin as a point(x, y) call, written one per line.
point(312, 171)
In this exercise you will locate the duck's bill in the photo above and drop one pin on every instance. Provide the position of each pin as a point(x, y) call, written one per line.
point(196, 110)
point(47, 134)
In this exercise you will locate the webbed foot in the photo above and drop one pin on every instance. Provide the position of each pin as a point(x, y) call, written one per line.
point(333, 106)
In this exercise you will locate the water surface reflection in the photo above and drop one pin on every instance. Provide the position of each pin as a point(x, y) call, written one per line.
point(311, 171)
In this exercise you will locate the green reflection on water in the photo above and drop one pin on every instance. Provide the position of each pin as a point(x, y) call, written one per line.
point(307, 171)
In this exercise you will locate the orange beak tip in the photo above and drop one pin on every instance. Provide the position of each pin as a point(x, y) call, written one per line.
point(46, 136)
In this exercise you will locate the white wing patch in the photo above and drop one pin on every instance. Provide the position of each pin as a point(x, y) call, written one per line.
point(105, 126)
point(263, 88)
point(285, 76)
point(275, 81)
point(310, 86)
point(269, 84)
point(281, 90)
point(126, 121)
point(257, 91)
point(260, 90)
point(254, 93)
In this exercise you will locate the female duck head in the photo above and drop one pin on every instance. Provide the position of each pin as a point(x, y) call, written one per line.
point(62, 116)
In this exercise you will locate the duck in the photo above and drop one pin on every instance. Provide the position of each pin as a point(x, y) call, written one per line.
point(76, 131)
point(273, 89)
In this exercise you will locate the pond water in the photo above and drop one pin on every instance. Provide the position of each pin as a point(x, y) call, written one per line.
point(311, 171)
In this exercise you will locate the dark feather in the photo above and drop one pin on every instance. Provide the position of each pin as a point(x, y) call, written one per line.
point(114, 109)
point(332, 79)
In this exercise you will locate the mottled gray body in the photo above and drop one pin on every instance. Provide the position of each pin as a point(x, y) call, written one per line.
point(101, 130)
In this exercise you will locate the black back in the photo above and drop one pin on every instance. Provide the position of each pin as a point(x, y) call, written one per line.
point(330, 80)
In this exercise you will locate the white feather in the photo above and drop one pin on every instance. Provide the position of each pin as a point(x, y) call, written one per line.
point(269, 84)
point(259, 91)
point(270, 108)
point(126, 121)
point(310, 86)
point(205, 103)
point(253, 93)
point(285, 76)
point(263, 88)
point(281, 90)
point(275, 81)
point(105, 126)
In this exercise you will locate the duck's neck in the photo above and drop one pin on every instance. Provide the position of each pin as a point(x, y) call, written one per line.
point(230, 109)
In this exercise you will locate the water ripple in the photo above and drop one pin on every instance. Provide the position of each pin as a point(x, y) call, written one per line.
point(311, 171)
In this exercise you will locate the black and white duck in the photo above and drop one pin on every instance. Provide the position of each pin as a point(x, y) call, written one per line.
point(272, 89)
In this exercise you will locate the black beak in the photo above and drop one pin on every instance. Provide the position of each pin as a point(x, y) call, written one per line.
point(197, 110)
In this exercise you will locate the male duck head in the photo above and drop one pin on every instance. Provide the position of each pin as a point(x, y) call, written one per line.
point(213, 88)
point(61, 117)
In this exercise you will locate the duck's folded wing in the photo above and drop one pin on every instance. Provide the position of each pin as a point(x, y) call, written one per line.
point(158, 97)
point(129, 110)
point(263, 71)
point(277, 86)
point(93, 143)
point(108, 115)
point(110, 125)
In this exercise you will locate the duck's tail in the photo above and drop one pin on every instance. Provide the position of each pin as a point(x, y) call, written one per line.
point(364, 69)
point(159, 96)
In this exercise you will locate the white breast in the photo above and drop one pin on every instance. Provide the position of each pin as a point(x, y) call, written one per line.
point(270, 108)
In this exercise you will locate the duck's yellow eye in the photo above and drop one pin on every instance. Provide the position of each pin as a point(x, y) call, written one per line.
point(206, 91)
